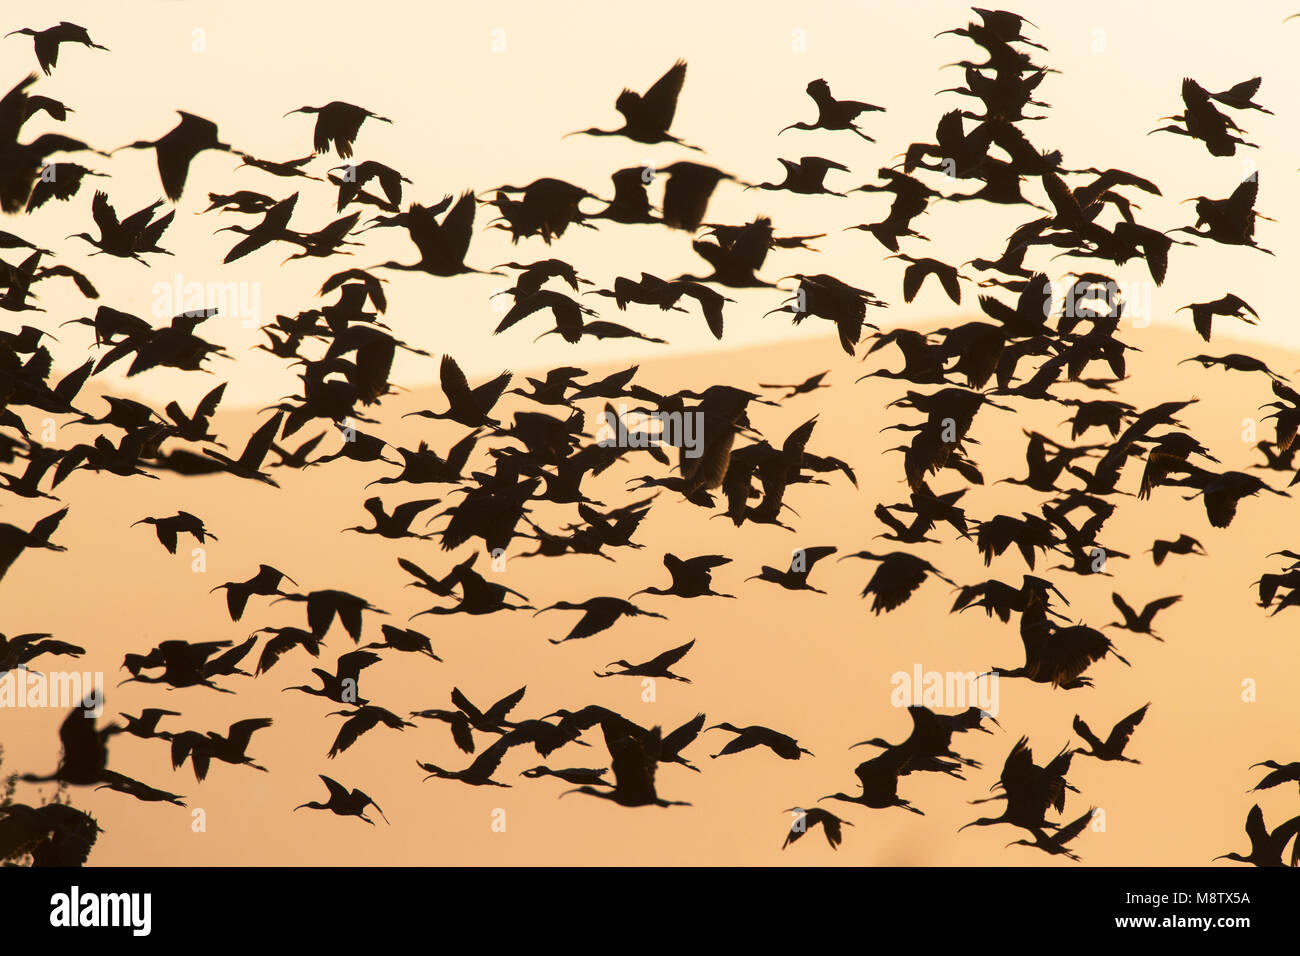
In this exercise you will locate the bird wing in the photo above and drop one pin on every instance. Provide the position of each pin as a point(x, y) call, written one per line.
point(1083, 730)
point(948, 278)
point(336, 789)
point(454, 384)
point(1161, 604)
point(1123, 731)
point(349, 665)
point(461, 732)
point(1071, 830)
point(670, 657)
point(80, 740)
point(489, 393)
point(704, 562)
point(456, 229)
point(522, 310)
point(462, 703)
point(103, 214)
point(337, 231)
point(241, 732)
point(1256, 829)
point(259, 443)
point(660, 101)
point(42, 530)
point(633, 760)
point(358, 722)
point(498, 711)
point(752, 245)
point(913, 277)
point(227, 661)
point(815, 554)
point(1245, 90)
point(149, 233)
point(208, 406)
point(424, 577)
point(405, 513)
point(1285, 833)
point(1241, 203)
point(683, 735)
point(486, 763)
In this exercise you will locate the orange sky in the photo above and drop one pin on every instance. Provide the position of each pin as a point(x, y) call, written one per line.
point(817, 667)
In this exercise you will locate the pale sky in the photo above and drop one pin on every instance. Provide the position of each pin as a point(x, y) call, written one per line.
point(470, 114)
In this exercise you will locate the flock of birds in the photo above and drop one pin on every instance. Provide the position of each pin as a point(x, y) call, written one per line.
point(346, 352)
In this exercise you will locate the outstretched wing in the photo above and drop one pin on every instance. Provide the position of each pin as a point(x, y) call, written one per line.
point(1119, 736)
point(660, 101)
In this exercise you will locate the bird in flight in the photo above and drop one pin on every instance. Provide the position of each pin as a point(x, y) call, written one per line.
point(647, 116)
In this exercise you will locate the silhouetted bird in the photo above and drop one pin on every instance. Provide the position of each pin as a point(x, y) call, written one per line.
point(177, 149)
point(1266, 846)
point(61, 181)
point(85, 750)
point(249, 463)
point(404, 639)
point(1184, 544)
point(202, 749)
point(365, 717)
point(1028, 789)
point(1112, 748)
point(1281, 773)
point(1141, 623)
point(397, 524)
point(465, 405)
point(783, 745)
point(323, 606)
point(657, 666)
point(138, 233)
point(47, 42)
point(692, 577)
point(831, 826)
point(266, 581)
point(477, 774)
point(14, 540)
point(647, 117)
point(879, 780)
point(600, 613)
point(833, 114)
point(897, 578)
point(337, 124)
point(805, 176)
point(687, 194)
point(442, 245)
point(585, 776)
point(807, 386)
point(344, 802)
point(1055, 843)
point(634, 758)
point(182, 522)
point(795, 578)
point(1203, 313)
point(1059, 655)
point(341, 686)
